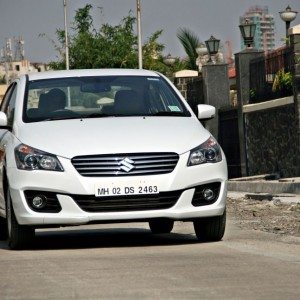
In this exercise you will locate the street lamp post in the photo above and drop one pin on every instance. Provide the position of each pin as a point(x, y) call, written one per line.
point(212, 45)
point(139, 32)
point(66, 35)
point(248, 31)
point(242, 67)
point(288, 15)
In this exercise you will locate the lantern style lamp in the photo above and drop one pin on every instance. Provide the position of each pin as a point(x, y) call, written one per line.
point(248, 31)
point(169, 60)
point(288, 15)
point(212, 46)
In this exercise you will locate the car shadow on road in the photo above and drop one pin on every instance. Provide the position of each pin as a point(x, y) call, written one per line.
point(104, 238)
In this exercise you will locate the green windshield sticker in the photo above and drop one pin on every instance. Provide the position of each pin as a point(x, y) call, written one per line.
point(174, 108)
point(153, 79)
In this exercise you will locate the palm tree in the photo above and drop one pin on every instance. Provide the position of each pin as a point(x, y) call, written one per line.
point(190, 42)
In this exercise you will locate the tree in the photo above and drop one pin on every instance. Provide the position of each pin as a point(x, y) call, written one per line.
point(109, 46)
point(190, 42)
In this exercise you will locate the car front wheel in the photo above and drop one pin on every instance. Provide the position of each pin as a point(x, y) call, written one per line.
point(210, 229)
point(19, 236)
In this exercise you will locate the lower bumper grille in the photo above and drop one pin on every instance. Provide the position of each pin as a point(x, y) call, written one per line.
point(90, 203)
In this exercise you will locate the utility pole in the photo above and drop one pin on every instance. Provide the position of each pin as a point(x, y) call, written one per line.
point(67, 50)
point(66, 36)
point(139, 32)
point(6, 54)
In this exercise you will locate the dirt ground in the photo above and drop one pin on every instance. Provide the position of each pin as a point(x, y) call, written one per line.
point(270, 216)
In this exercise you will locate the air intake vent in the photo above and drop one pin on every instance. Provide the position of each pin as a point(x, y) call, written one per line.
point(163, 200)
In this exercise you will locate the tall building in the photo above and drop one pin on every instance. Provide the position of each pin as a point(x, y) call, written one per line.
point(264, 38)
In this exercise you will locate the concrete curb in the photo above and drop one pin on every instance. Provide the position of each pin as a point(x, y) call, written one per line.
point(277, 199)
point(264, 187)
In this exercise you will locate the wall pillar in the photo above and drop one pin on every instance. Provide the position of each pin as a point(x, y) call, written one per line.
point(216, 92)
point(294, 34)
point(242, 65)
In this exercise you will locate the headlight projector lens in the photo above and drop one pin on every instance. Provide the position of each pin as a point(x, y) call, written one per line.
point(31, 161)
point(210, 154)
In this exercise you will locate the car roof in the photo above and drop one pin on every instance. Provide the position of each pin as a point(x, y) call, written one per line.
point(90, 72)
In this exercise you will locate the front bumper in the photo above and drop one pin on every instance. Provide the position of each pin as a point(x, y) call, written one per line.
point(70, 182)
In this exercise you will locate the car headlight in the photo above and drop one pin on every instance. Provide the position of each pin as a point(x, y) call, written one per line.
point(28, 158)
point(208, 152)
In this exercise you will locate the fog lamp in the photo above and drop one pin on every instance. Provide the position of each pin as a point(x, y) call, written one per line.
point(208, 194)
point(39, 201)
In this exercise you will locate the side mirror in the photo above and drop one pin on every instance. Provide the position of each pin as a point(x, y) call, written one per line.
point(3, 119)
point(206, 112)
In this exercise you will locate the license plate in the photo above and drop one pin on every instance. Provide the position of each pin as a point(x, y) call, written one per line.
point(113, 189)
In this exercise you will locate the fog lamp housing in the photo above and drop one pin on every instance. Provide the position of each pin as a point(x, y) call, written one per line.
point(42, 201)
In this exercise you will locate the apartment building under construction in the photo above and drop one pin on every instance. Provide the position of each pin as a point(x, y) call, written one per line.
point(264, 38)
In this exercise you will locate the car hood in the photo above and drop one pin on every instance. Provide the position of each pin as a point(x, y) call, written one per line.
point(69, 138)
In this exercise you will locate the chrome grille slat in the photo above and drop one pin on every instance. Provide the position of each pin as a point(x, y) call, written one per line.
point(109, 165)
point(96, 163)
point(95, 168)
point(148, 172)
point(113, 168)
point(120, 157)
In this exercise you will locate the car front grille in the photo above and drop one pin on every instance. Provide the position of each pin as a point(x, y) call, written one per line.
point(125, 164)
point(163, 200)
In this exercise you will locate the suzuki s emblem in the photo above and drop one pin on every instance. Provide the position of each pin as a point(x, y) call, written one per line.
point(126, 164)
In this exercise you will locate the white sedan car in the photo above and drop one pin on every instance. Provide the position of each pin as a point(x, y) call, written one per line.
point(102, 146)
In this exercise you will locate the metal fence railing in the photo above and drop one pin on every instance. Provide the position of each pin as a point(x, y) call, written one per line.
point(271, 75)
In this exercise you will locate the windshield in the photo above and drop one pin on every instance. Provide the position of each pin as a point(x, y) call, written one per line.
point(101, 96)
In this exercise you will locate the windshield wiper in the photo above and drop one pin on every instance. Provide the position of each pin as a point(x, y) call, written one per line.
point(61, 118)
point(93, 115)
point(96, 115)
point(169, 113)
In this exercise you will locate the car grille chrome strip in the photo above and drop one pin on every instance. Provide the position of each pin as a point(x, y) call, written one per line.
point(125, 164)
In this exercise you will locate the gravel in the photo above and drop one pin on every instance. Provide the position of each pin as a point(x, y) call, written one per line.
point(273, 216)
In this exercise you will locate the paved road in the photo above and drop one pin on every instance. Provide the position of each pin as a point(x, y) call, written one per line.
point(127, 262)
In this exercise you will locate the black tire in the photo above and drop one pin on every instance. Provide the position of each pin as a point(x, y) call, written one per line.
point(210, 229)
point(161, 226)
point(3, 229)
point(19, 236)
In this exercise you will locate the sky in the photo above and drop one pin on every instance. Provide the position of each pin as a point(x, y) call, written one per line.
point(30, 18)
